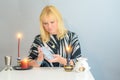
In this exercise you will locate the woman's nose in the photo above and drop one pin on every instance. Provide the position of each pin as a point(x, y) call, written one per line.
point(49, 25)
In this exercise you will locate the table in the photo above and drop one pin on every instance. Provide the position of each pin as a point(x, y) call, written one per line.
point(45, 73)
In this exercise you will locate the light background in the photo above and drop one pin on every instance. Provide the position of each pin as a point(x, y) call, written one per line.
point(97, 22)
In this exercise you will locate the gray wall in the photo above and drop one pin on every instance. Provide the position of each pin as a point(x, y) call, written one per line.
point(97, 22)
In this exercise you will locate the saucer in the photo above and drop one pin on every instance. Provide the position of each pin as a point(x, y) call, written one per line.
point(19, 68)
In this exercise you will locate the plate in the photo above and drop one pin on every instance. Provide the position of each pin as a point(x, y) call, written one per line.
point(19, 68)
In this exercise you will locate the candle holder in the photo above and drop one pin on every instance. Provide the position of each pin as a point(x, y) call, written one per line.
point(18, 61)
point(68, 68)
point(22, 64)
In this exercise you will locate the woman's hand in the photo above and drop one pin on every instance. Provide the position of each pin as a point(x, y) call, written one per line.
point(58, 58)
point(40, 54)
point(61, 60)
point(33, 63)
point(40, 58)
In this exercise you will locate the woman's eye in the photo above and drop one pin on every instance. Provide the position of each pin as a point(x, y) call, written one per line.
point(45, 23)
point(52, 21)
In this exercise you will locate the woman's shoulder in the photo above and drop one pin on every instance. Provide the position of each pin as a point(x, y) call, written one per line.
point(38, 36)
point(71, 33)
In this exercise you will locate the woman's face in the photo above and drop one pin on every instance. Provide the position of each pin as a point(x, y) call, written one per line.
point(50, 24)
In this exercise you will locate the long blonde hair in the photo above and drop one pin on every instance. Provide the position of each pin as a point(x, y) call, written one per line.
point(47, 12)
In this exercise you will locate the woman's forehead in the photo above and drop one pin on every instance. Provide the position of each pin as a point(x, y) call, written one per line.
point(48, 18)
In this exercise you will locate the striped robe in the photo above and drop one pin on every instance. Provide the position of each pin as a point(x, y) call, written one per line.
point(57, 47)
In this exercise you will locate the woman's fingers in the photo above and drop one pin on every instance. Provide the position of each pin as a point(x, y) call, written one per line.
point(39, 49)
point(56, 58)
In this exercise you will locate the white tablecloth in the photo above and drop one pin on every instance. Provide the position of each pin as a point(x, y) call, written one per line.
point(45, 73)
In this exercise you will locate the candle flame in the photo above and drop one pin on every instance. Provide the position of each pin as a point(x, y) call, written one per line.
point(19, 35)
point(69, 49)
point(25, 60)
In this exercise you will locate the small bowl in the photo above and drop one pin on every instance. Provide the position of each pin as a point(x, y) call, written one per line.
point(68, 68)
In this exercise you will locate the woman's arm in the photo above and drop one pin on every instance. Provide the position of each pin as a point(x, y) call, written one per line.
point(37, 62)
point(76, 50)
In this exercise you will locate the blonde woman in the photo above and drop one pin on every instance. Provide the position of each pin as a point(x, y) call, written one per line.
point(56, 38)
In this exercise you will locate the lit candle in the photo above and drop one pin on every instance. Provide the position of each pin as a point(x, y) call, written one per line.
point(19, 35)
point(68, 49)
point(24, 64)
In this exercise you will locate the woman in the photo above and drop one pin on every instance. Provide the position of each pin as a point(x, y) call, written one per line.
point(55, 37)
